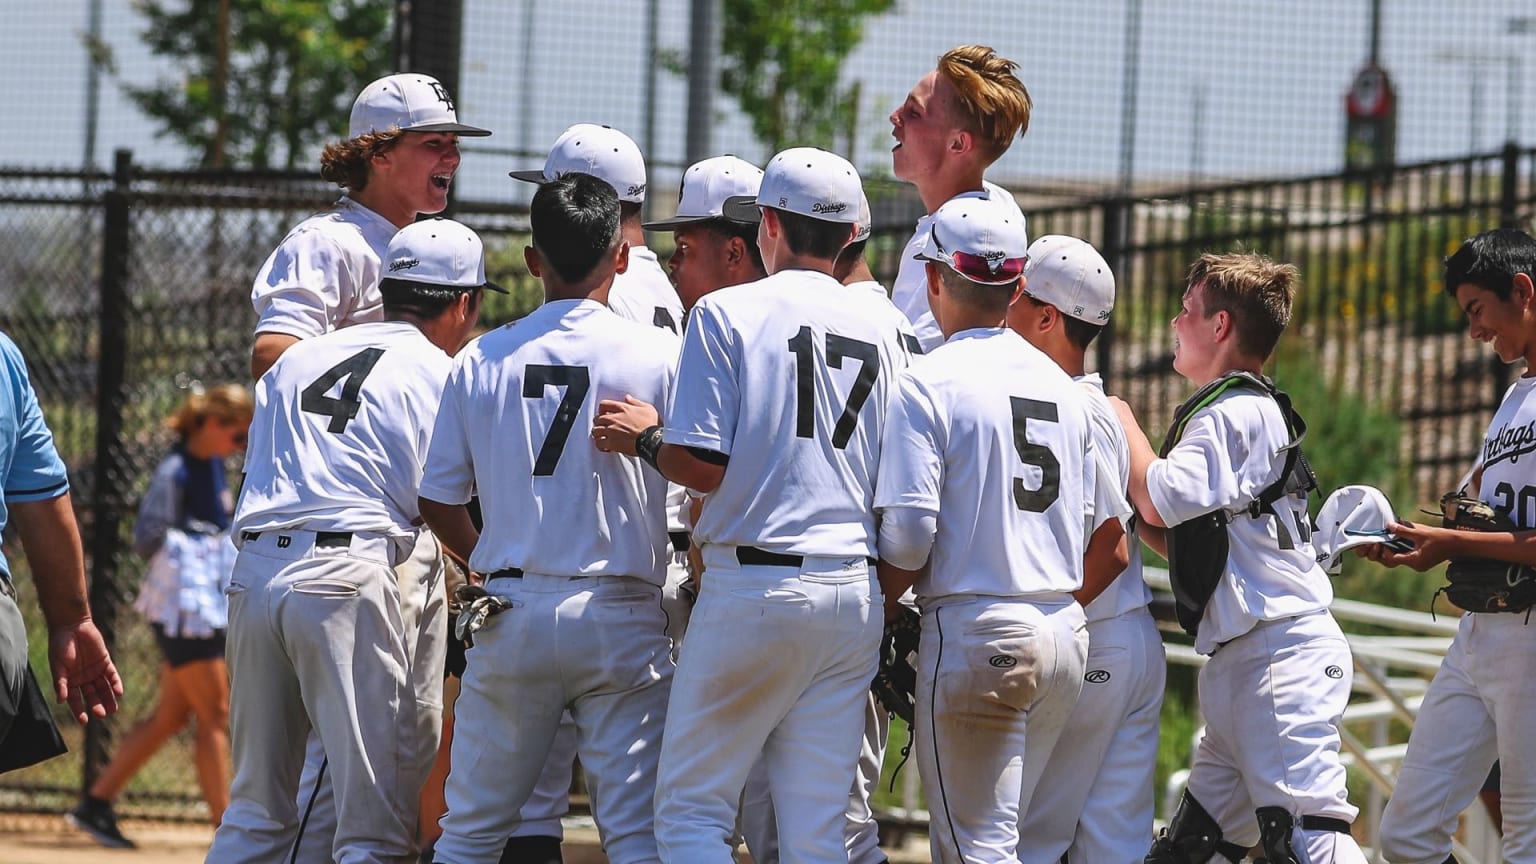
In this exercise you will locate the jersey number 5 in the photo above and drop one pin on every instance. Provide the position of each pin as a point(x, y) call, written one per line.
point(1038, 455)
point(576, 380)
point(839, 348)
point(355, 369)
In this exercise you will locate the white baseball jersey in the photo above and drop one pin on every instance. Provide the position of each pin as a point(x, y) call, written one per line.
point(644, 294)
point(990, 434)
point(325, 274)
point(342, 425)
point(1508, 482)
point(790, 376)
point(1230, 451)
point(910, 290)
point(516, 424)
point(1128, 591)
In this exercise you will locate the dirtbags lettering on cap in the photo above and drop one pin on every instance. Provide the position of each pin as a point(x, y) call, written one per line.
point(822, 207)
point(403, 264)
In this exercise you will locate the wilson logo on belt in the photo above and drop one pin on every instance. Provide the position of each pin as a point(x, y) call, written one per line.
point(1096, 676)
point(1003, 661)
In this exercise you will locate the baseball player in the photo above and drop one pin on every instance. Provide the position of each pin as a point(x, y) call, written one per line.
point(642, 293)
point(1481, 698)
point(988, 475)
point(1100, 774)
point(781, 393)
point(397, 163)
point(580, 625)
point(317, 639)
point(1267, 769)
point(958, 119)
point(710, 250)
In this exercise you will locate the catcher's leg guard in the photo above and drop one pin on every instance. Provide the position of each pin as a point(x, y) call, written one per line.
point(1275, 829)
point(1192, 837)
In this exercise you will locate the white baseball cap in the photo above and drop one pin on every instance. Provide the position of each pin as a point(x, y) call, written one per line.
point(409, 102)
point(1071, 275)
point(981, 239)
point(1352, 516)
point(706, 186)
point(866, 219)
point(602, 151)
point(804, 180)
point(439, 252)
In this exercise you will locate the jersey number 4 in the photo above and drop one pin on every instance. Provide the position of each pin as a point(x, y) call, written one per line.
point(315, 398)
point(576, 380)
point(839, 348)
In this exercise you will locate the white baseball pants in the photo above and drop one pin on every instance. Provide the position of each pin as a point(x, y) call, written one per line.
point(316, 632)
point(1272, 699)
point(1481, 706)
point(776, 664)
point(1098, 787)
point(593, 645)
point(997, 679)
point(861, 832)
point(424, 615)
point(551, 798)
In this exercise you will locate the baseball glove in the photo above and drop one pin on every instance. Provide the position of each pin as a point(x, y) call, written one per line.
point(1483, 584)
point(895, 683)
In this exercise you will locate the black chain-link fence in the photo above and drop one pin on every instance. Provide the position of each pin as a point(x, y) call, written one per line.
point(121, 288)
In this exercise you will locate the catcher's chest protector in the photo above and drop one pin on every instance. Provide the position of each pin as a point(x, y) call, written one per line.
point(1197, 548)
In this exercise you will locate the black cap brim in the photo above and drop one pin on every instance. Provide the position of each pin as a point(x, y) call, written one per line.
point(742, 208)
point(456, 128)
point(533, 176)
point(492, 286)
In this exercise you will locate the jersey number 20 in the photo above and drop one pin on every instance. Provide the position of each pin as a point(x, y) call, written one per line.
point(839, 348)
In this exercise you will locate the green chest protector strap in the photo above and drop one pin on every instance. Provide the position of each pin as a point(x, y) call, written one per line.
point(1197, 548)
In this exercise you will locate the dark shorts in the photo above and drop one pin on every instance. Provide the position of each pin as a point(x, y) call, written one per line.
point(179, 651)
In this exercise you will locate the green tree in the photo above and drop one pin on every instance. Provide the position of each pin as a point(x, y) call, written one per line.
point(290, 69)
point(781, 59)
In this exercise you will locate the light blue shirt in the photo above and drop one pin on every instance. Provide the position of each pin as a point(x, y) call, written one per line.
point(30, 467)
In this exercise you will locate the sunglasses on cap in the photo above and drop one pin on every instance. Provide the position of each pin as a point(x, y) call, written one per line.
point(979, 269)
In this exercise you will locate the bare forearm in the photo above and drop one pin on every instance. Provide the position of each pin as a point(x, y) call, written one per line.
point(1156, 538)
point(680, 466)
point(50, 538)
point(1106, 558)
point(895, 582)
point(453, 527)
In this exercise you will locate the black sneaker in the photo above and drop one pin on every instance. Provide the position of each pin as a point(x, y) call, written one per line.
point(95, 817)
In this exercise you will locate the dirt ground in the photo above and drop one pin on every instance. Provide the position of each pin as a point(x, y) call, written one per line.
point(48, 840)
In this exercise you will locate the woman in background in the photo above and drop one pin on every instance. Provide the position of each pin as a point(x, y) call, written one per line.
point(183, 530)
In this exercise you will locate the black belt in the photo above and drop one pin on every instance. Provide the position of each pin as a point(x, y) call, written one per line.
point(509, 573)
point(679, 540)
point(325, 539)
point(751, 555)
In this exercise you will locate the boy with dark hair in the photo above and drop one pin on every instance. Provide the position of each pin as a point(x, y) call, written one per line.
point(1230, 490)
point(575, 566)
point(1481, 699)
point(316, 637)
point(1100, 773)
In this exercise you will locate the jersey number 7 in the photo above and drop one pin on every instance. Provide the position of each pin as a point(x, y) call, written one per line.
point(576, 380)
point(839, 348)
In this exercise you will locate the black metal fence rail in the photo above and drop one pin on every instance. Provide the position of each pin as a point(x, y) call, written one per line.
point(121, 288)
